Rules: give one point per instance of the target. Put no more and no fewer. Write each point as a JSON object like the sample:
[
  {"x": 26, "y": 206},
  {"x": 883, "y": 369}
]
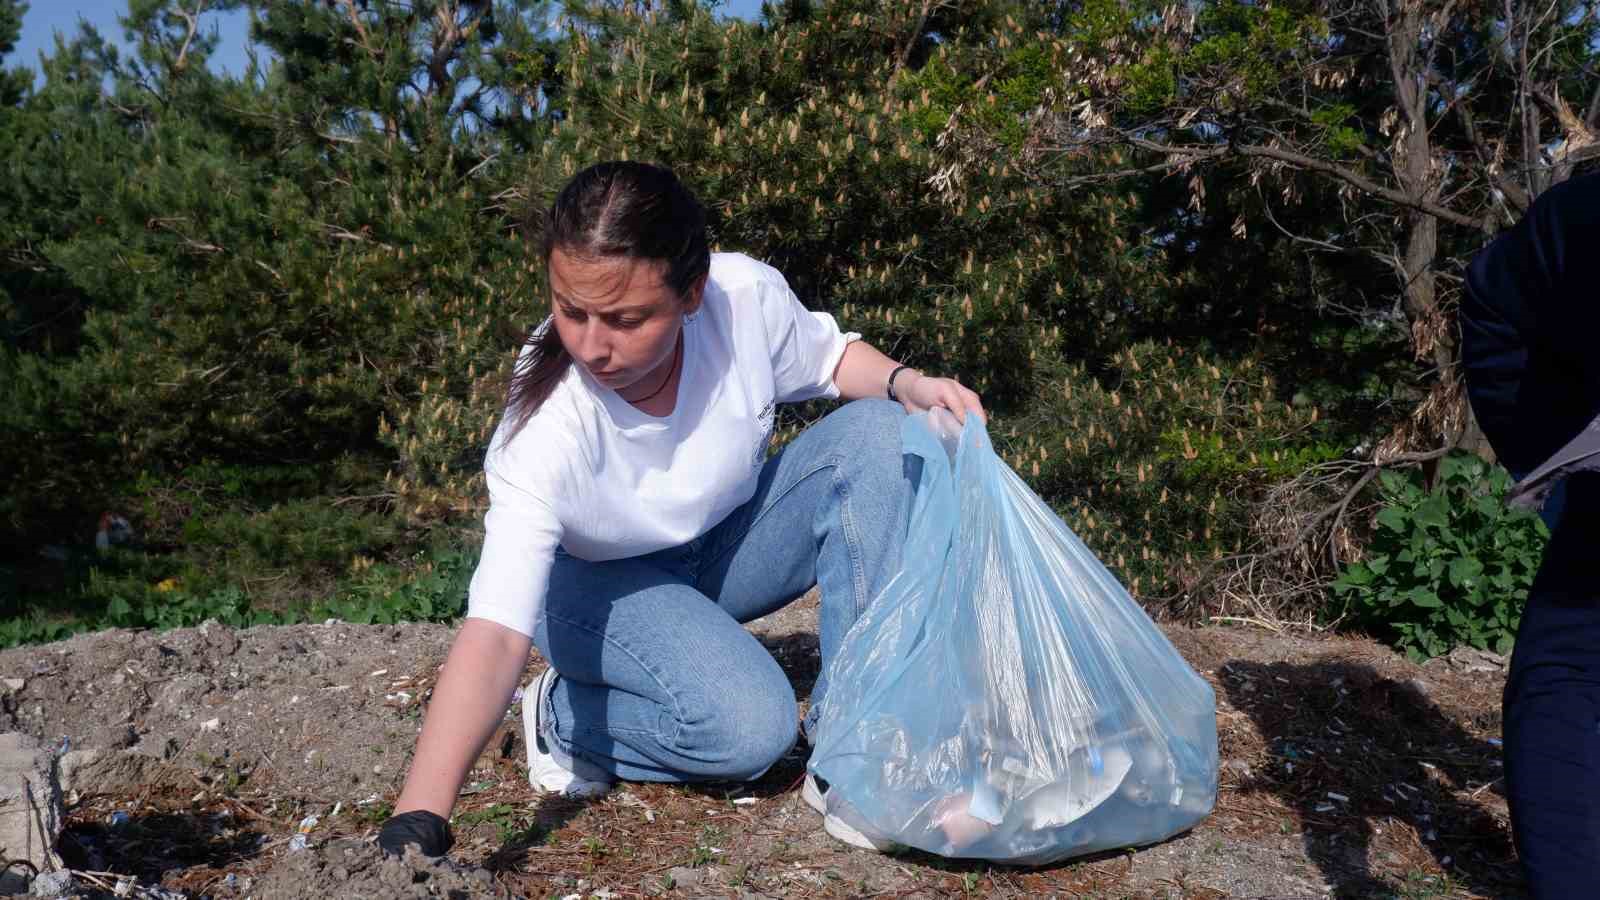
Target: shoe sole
[
  {"x": 837, "y": 828},
  {"x": 813, "y": 797}
]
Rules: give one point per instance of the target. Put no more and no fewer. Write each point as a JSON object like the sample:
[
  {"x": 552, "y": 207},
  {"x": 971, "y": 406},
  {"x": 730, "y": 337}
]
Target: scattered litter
[
  {"x": 1445, "y": 861},
  {"x": 377, "y": 673},
  {"x": 1496, "y": 742},
  {"x": 211, "y": 724},
  {"x": 650, "y": 815},
  {"x": 1430, "y": 767},
  {"x": 338, "y": 805},
  {"x": 516, "y": 695},
  {"x": 1339, "y": 797},
  {"x": 371, "y": 799},
  {"x": 66, "y": 744},
  {"x": 14, "y": 684},
  {"x": 1324, "y": 807},
  {"x": 745, "y": 801},
  {"x": 300, "y": 841},
  {"x": 118, "y": 819},
  {"x": 573, "y": 897},
  {"x": 338, "y": 687},
  {"x": 230, "y": 879}
]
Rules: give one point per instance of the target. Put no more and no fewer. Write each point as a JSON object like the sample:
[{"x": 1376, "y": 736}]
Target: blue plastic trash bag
[{"x": 1004, "y": 698}]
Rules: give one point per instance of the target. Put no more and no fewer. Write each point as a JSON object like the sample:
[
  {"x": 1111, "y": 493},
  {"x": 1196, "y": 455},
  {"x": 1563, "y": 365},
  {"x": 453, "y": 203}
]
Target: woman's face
[{"x": 617, "y": 317}]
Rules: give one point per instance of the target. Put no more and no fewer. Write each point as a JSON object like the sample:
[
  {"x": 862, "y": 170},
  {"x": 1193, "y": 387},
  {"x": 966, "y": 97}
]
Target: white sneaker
[
  {"x": 551, "y": 769},
  {"x": 837, "y": 825}
]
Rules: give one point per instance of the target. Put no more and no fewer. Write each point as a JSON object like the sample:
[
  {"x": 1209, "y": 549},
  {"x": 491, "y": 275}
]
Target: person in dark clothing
[{"x": 1529, "y": 321}]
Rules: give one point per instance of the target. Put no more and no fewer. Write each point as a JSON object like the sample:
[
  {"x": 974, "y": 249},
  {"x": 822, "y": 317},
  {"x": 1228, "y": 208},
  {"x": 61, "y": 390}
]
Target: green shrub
[
  {"x": 1156, "y": 461},
  {"x": 1446, "y": 566},
  {"x": 434, "y": 589},
  {"x": 124, "y": 589}
]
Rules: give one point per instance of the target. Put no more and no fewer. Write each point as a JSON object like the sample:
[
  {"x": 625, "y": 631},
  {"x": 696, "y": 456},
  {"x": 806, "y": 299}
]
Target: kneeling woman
[{"x": 636, "y": 520}]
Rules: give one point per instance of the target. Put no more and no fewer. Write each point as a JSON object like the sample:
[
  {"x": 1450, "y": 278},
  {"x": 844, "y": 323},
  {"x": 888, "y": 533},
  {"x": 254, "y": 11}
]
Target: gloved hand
[{"x": 429, "y": 831}]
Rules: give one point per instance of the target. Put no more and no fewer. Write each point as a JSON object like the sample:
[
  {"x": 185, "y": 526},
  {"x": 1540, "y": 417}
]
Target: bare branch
[{"x": 192, "y": 19}]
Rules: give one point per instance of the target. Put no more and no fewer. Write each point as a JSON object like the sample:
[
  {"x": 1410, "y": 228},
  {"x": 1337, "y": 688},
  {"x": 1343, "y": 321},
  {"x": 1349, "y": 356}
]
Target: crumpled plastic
[
  {"x": 1581, "y": 454},
  {"x": 1004, "y": 697}
]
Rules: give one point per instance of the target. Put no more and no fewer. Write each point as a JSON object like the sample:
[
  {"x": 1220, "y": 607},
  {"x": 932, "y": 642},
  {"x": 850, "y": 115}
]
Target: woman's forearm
[
  {"x": 480, "y": 675},
  {"x": 863, "y": 371}
]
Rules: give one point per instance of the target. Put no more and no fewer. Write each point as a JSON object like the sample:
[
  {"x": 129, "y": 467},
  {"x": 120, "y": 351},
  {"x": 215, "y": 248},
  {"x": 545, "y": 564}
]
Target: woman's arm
[
  {"x": 470, "y": 700},
  {"x": 864, "y": 372}
]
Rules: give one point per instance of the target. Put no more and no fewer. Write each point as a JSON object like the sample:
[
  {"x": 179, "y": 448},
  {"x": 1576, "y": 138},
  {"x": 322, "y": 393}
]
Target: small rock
[
  {"x": 105, "y": 771},
  {"x": 14, "y": 684},
  {"x": 219, "y": 636},
  {"x": 52, "y": 884},
  {"x": 684, "y": 877}
]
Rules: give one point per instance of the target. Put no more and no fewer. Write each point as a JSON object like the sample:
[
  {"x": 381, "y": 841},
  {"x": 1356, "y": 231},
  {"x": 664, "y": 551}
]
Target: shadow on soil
[
  {"x": 150, "y": 846},
  {"x": 1342, "y": 728}
]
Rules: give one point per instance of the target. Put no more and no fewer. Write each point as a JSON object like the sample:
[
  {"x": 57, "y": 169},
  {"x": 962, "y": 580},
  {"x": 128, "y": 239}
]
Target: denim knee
[{"x": 738, "y": 731}]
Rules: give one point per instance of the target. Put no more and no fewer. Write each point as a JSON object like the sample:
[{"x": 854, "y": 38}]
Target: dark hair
[{"x": 630, "y": 210}]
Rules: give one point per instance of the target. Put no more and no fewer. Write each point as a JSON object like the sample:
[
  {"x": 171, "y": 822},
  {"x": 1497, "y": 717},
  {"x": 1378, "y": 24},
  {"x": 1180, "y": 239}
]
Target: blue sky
[{"x": 46, "y": 17}]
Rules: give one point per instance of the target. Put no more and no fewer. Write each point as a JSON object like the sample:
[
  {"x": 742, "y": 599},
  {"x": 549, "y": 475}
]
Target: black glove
[{"x": 427, "y": 830}]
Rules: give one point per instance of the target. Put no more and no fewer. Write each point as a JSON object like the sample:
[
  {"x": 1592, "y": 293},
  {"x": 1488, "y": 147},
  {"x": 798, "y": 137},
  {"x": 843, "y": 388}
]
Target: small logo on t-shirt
[{"x": 764, "y": 423}]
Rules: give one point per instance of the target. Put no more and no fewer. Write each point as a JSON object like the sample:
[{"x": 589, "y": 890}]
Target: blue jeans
[{"x": 658, "y": 679}]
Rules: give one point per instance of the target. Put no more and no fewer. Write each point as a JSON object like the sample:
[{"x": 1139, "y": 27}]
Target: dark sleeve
[{"x": 1530, "y": 323}]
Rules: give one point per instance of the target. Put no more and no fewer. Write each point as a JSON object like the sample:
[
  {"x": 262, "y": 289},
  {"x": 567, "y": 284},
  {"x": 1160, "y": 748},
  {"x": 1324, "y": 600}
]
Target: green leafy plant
[{"x": 1446, "y": 566}]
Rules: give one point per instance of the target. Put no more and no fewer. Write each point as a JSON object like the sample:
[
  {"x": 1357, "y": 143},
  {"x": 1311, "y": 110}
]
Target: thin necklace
[{"x": 677, "y": 354}]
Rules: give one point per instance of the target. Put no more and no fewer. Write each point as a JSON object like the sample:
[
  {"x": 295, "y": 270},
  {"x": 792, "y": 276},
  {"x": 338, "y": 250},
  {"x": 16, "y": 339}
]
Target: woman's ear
[{"x": 697, "y": 292}]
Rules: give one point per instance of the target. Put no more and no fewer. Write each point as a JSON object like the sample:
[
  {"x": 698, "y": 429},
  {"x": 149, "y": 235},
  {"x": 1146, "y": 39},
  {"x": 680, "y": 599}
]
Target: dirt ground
[{"x": 194, "y": 757}]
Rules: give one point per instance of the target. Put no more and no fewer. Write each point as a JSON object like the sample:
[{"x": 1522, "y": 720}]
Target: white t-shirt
[{"x": 591, "y": 473}]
